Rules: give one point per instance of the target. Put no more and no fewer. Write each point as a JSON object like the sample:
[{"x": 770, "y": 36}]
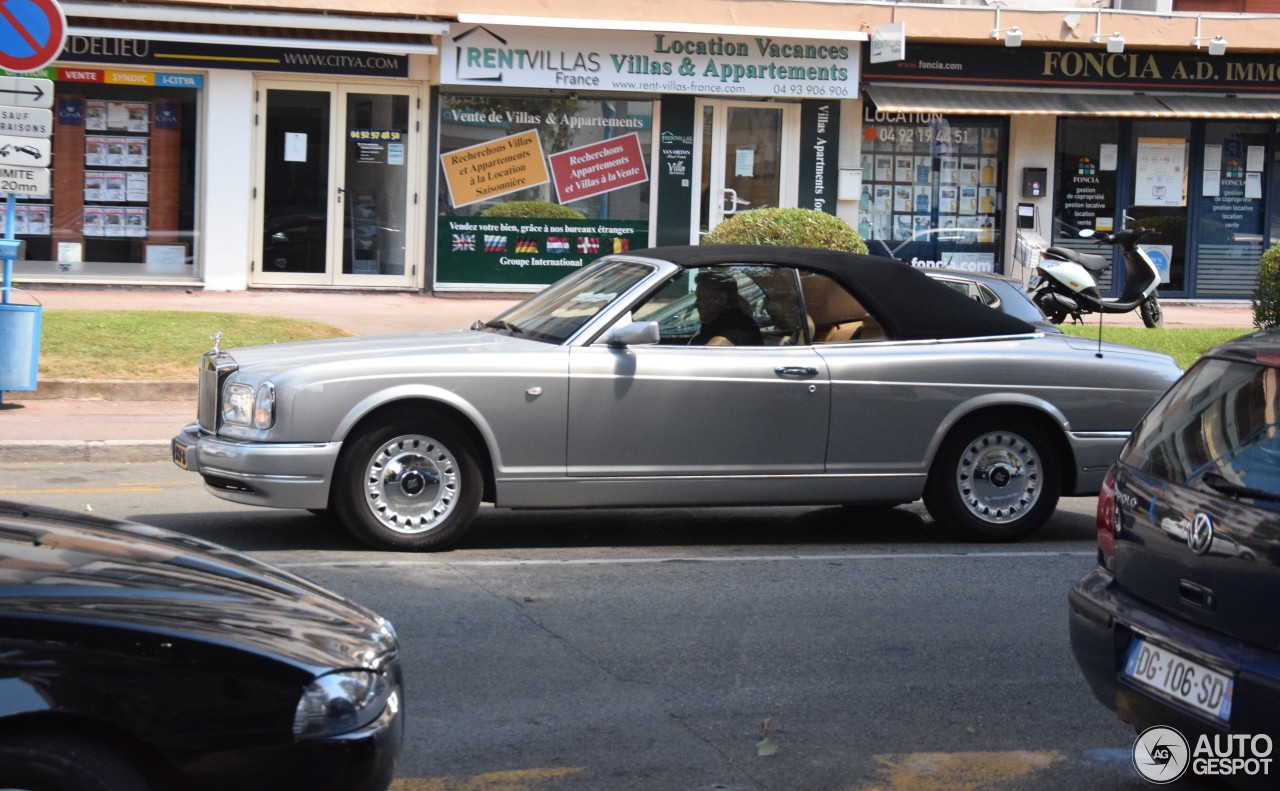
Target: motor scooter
[{"x": 1065, "y": 285}]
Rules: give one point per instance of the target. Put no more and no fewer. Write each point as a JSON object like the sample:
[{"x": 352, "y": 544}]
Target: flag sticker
[
  {"x": 464, "y": 242},
  {"x": 588, "y": 244},
  {"x": 495, "y": 243},
  {"x": 526, "y": 244},
  {"x": 557, "y": 244}
]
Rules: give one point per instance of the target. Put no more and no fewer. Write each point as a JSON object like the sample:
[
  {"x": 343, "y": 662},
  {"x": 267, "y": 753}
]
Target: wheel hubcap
[
  {"x": 411, "y": 484},
  {"x": 998, "y": 477}
]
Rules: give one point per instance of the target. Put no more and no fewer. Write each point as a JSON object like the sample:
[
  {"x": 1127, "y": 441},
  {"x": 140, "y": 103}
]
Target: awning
[{"x": 1043, "y": 101}]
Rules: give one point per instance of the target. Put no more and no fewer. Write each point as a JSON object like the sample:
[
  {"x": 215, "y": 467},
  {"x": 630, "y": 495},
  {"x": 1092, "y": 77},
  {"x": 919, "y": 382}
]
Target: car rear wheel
[
  {"x": 404, "y": 485},
  {"x": 994, "y": 480},
  {"x": 35, "y": 763}
]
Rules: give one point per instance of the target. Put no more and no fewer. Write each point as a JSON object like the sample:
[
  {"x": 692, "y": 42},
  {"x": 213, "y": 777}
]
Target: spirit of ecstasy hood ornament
[{"x": 216, "y": 338}]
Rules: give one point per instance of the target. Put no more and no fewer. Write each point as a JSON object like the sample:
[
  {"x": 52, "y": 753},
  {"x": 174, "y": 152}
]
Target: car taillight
[{"x": 1108, "y": 515}]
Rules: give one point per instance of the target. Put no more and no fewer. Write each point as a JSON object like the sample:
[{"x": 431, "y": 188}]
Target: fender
[{"x": 1002, "y": 401}]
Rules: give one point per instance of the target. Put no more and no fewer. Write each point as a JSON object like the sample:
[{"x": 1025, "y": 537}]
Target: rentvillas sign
[{"x": 626, "y": 61}]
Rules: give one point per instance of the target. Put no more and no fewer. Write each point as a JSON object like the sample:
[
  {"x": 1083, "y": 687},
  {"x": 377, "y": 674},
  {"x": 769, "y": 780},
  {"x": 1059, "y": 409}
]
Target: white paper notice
[{"x": 295, "y": 146}]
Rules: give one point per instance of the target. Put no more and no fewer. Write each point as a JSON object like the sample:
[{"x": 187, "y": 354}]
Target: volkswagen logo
[{"x": 1200, "y": 536}]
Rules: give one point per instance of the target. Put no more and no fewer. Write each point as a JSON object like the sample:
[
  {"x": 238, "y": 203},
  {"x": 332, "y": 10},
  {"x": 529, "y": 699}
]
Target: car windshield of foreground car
[
  {"x": 557, "y": 313},
  {"x": 1232, "y": 448}
]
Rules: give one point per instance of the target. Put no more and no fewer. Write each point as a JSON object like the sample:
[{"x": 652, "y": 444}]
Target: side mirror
[{"x": 637, "y": 333}]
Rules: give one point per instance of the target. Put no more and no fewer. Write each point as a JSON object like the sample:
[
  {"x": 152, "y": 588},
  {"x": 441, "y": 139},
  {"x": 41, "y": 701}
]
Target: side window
[
  {"x": 837, "y": 316},
  {"x": 727, "y": 306}
]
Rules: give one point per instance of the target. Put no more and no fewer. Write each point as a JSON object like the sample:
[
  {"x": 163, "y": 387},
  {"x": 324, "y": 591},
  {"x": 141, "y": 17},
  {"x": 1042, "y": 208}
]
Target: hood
[
  {"x": 460, "y": 343},
  {"x": 60, "y": 566}
]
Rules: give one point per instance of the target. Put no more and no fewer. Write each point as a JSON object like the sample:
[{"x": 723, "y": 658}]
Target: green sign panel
[{"x": 523, "y": 250}]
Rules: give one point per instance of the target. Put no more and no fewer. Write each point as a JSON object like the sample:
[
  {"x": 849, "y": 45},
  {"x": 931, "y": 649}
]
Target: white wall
[
  {"x": 225, "y": 189},
  {"x": 1032, "y": 141}
]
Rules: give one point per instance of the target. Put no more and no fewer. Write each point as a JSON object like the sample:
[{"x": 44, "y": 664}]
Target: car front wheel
[
  {"x": 405, "y": 486},
  {"x": 994, "y": 480},
  {"x": 64, "y": 764}
]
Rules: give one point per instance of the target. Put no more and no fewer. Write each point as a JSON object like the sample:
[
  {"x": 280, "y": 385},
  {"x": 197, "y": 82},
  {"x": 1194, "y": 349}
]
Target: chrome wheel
[
  {"x": 411, "y": 484},
  {"x": 998, "y": 477}
]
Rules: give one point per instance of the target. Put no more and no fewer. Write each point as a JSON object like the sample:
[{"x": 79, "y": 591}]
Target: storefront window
[
  {"x": 930, "y": 189},
  {"x": 534, "y": 187},
  {"x": 122, "y": 202},
  {"x": 1229, "y": 241},
  {"x": 1088, "y": 156}
]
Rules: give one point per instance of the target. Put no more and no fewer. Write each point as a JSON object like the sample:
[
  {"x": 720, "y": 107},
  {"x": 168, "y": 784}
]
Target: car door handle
[{"x": 795, "y": 370}]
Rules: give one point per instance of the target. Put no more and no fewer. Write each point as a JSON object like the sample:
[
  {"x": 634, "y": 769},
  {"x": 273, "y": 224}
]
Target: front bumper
[
  {"x": 1103, "y": 622},
  {"x": 279, "y": 475}
]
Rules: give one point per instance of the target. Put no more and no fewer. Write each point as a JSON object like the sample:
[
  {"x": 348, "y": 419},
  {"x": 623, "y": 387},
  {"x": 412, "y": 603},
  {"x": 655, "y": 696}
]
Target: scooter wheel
[{"x": 1152, "y": 315}]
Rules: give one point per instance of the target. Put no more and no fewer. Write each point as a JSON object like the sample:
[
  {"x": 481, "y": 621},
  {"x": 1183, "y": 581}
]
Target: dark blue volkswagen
[{"x": 1178, "y": 624}]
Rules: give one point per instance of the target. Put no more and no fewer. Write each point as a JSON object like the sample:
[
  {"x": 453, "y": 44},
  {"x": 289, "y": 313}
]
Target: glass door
[
  {"x": 335, "y": 165},
  {"x": 744, "y": 159}
]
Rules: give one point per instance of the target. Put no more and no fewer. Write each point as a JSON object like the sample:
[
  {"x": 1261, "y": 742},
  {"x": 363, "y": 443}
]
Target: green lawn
[
  {"x": 1184, "y": 344},
  {"x": 146, "y": 344},
  {"x": 83, "y": 344}
]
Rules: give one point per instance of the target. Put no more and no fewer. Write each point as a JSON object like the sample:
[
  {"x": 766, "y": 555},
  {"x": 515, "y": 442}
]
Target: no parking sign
[{"x": 32, "y": 33}]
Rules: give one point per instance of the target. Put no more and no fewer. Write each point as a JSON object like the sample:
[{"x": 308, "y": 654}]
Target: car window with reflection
[
  {"x": 1215, "y": 431},
  {"x": 556, "y": 313},
  {"x": 743, "y": 305}
]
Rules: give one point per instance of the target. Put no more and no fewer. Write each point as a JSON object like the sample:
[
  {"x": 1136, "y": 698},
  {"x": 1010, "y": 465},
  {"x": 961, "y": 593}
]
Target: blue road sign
[{"x": 32, "y": 33}]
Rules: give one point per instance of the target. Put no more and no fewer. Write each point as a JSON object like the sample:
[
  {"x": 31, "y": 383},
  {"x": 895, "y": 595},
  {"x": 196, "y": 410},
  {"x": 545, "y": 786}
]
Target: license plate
[
  {"x": 1169, "y": 673},
  {"x": 180, "y": 454},
  {"x": 1033, "y": 282}
]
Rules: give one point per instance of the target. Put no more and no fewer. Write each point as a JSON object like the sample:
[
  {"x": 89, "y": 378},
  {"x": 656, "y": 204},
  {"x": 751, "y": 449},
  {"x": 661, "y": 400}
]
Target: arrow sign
[
  {"x": 24, "y": 151},
  {"x": 32, "y": 33},
  {"x": 26, "y": 92}
]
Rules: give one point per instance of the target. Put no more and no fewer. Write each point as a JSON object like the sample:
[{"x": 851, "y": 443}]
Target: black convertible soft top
[{"x": 909, "y": 304}]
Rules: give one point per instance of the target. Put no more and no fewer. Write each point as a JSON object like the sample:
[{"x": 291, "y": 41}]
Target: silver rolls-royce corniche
[{"x": 680, "y": 376}]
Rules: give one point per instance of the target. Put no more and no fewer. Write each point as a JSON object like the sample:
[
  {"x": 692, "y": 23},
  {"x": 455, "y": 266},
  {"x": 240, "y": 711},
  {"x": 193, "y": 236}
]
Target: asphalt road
[{"x": 781, "y": 648}]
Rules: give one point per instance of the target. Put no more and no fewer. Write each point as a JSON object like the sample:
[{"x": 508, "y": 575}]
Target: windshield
[{"x": 555, "y": 314}]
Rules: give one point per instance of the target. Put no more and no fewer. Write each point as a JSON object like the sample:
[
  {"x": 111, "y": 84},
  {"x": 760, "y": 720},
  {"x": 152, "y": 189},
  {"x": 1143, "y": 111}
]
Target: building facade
[{"x": 430, "y": 148}]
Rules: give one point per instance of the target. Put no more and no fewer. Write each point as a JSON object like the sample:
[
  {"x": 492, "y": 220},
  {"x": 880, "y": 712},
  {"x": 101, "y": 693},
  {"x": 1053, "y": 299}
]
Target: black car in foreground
[
  {"x": 134, "y": 659},
  {"x": 1177, "y": 629}
]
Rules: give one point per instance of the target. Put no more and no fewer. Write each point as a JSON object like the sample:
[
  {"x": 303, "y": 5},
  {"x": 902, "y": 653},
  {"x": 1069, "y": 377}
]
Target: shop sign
[
  {"x": 651, "y": 62},
  {"x": 819, "y": 155},
  {"x": 495, "y": 168},
  {"x": 195, "y": 55},
  {"x": 597, "y": 168},
  {"x": 1030, "y": 67}
]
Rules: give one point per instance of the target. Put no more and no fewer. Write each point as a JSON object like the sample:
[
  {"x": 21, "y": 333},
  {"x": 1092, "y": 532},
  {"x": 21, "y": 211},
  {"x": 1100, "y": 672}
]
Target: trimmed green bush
[
  {"x": 787, "y": 228},
  {"x": 533, "y": 208},
  {"x": 1266, "y": 296}
]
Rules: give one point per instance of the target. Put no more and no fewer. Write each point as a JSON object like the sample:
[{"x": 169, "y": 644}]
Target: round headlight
[{"x": 340, "y": 703}]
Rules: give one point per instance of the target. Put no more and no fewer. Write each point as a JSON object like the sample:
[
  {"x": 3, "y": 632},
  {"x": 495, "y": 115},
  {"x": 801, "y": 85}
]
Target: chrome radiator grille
[{"x": 214, "y": 368}]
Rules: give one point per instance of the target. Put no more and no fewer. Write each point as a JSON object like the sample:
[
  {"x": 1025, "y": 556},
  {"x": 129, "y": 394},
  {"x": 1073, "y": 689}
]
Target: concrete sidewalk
[{"x": 133, "y": 421}]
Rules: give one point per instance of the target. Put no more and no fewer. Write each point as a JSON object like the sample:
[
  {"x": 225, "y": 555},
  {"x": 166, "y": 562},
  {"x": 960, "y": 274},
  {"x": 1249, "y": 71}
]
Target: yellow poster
[{"x": 495, "y": 168}]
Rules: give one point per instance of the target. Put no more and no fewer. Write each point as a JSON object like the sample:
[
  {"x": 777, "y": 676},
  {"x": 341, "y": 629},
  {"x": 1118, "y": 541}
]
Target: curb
[
  {"x": 115, "y": 451},
  {"x": 113, "y": 390}
]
